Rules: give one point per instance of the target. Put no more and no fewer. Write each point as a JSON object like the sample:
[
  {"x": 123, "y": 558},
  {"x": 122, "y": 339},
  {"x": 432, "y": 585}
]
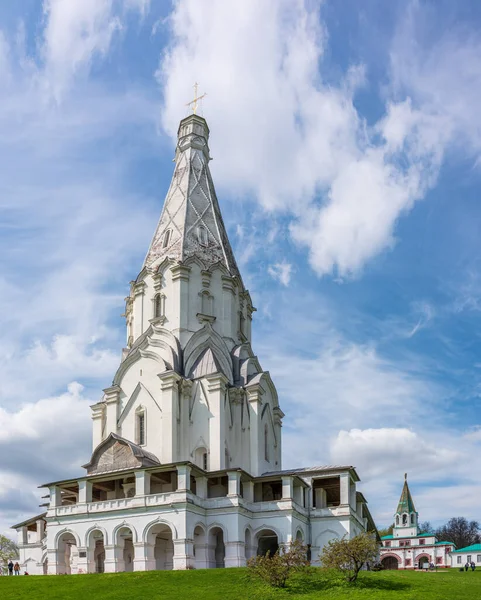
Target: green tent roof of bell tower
[{"x": 406, "y": 504}]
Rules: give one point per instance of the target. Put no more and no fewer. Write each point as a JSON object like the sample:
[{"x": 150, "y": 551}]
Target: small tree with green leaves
[
  {"x": 349, "y": 556},
  {"x": 275, "y": 570},
  {"x": 8, "y": 549}
]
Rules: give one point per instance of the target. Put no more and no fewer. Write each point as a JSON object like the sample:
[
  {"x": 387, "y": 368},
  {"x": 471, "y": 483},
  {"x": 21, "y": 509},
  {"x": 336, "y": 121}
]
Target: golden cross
[{"x": 193, "y": 102}]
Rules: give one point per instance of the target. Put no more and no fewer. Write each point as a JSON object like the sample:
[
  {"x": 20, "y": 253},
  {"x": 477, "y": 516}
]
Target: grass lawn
[{"x": 234, "y": 584}]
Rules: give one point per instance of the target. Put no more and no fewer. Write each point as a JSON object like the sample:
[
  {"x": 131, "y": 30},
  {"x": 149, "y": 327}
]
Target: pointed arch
[
  {"x": 195, "y": 260},
  {"x": 89, "y": 532},
  {"x": 124, "y": 525},
  {"x": 201, "y": 340},
  {"x": 63, "y": 531},
  {"x": 217, "y": 525},
  {"x": 158, "y": 521},
  {"x": 135, "y": 394}
]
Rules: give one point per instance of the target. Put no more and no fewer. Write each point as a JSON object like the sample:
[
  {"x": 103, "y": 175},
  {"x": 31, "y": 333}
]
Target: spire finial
[
  {"x": 193, "y": 102},
  {"x": 405, "y": 476}
]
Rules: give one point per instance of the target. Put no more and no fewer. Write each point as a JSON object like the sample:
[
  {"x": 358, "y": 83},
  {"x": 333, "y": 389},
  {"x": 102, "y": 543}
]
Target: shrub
[
  {"x": 349, "y": 556},
  {"x": 275, "y": 570}
]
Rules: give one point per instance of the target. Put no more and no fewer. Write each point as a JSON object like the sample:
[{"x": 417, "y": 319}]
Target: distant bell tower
[{"x": 406, "y": 517}]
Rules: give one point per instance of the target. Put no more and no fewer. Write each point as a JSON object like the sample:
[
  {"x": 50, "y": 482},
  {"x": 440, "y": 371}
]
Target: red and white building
[{"x": 406, "y": 548}]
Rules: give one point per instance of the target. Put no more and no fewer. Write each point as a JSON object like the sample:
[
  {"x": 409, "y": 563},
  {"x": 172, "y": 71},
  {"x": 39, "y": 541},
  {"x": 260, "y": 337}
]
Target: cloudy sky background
[{"x": 346, "y": 140}]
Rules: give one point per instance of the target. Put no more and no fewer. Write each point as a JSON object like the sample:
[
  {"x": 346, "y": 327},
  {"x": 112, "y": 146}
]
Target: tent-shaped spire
[
  {"x": 191, "y": 223},
  {"x": 406, "y": 504}
]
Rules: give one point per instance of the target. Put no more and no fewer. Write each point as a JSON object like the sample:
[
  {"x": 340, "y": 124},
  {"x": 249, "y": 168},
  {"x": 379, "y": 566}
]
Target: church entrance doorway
[
  {"x": 423, "y": 562},
  {"x": 95, "y": 552},
  {"x": 267, "y": 542},
  {"x": 249, "y": 549},
  {"x": 216, "y": 548},
  {"x": 67, "y": 554},
  {"x": 126, "y": 542},
  {"x": 200, "y": 548},
  {"x": 390, "y": 562},
  {"x": 160, "y": 536}
]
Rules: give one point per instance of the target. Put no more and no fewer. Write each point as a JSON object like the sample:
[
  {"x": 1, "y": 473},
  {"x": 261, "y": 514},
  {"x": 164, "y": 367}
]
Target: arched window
[
  {"x": 397, "y": 520},
  {"x": 202, "y": 236},
  {"x": 405, "y": 519},
  {"x": 166, "y": 241},
  {"x": 159, "y": 307},
  {"x": 140, "y": 429},
  {"x": 412, "y": 518},
  {"x": 266, "y": 443}
]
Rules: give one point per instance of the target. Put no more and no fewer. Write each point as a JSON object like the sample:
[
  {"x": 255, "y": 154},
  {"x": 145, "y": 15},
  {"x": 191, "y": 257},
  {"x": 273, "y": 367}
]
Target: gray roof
[
  {"x": 311, "y": 470},
  {"x": 191, "y": 211},
  {"x": 147, "y": 459},
  {"x": 29, "y": 521}
]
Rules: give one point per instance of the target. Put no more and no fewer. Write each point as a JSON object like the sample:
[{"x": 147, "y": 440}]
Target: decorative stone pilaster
[
  {"x": 169, "y": 385},
  {"x": 111, "y": 402},
  {"x": 52, "y": 561},
  {"x": 84, "y": 491},
  {"x": 287, "y": 488},
  {"x": 234, "y": 478},
  {"x": 138, "y": 293},
  {"x": 345, "y": 487},
  {"x": 40, "y": 530},
  {"x": 235, "y": 554},
  {"x": 217, "y": 385},
  {"x": 111, "y": 564},
  {"x": 248, "y": 491},
  {"x": 183, "y": 554},
  {"x": 142, "y": 483},
  {"x": 180, "y": 284},
  {"x": 183, "y": 478},
  {"x": 55, "y": 498},
  {"x": 144, "y": 557},
  {"x": 201, "y": 487},
  {"x": 254, "y": 397},
  {"x": 201, "y": 556},
  {"x": 97, "y": 422}
]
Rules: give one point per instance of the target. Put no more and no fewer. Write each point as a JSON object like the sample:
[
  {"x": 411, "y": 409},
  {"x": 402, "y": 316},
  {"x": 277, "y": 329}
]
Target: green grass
[{"x": 235, "y": 584}]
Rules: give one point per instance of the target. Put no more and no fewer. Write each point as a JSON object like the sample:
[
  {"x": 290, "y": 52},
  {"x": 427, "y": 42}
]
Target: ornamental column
[
  {"x": 111, "y": 399},
  {"x": 183, "y": 554},
  {"x": 254, "y": 397},
  {"x": 217, "y": 386},
  {"x": 142, "y": 483},
  {"x": 113, "y": 558},
  {"x": 235, "y": 554},
  {"x": 144, "y": 556},
  {"x": 169, "y": 385}
]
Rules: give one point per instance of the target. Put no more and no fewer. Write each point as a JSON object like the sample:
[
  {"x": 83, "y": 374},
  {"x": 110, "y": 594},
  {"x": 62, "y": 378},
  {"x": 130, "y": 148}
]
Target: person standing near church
[
  {"x": 473, "y": 566},
  {"x": 16, "y": 568},
  {"x": 10, "y": 568},
  {"x": 466, "y": 566}
]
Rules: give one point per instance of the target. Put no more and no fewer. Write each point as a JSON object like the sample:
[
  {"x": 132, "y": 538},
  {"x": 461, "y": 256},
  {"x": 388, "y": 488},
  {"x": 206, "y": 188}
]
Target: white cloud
[
  {"x": 76, "y": 32},
  {"x": 296, "y": 140},
  {"x": 281, "y": 272},
  {"x": 386, "y": 451}
]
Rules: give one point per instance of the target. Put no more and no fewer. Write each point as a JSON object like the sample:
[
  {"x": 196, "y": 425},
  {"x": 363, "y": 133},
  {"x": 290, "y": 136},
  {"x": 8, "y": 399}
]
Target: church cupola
[{"x": 406, "y": 517}]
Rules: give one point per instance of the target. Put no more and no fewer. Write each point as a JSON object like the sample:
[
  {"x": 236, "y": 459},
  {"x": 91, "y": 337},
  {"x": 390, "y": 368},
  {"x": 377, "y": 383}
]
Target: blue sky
[{"x": 346, "y": 140}]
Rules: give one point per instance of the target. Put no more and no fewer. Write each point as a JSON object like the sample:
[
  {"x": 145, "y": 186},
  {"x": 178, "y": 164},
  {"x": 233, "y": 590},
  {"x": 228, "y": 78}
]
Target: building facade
[
  {"x": 470, "y": 554},
  {"x": 406, "y": 547},
  {"x": 186, "y": 466}
]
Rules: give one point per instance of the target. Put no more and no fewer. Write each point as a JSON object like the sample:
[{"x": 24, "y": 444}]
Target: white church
[{"x": 186, "y": 466}]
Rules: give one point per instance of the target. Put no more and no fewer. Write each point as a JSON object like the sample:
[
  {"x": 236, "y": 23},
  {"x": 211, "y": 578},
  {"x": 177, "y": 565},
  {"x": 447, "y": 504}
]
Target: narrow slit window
[
  {"x": 202, "y": 236},
  {"x": 204, "y": 461},
  {"x": 158, "y": 306},
  {"x": 166, "y": 239},
  {"x": 266, "y": 443},
  {"x": 141, "y": 429}
]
